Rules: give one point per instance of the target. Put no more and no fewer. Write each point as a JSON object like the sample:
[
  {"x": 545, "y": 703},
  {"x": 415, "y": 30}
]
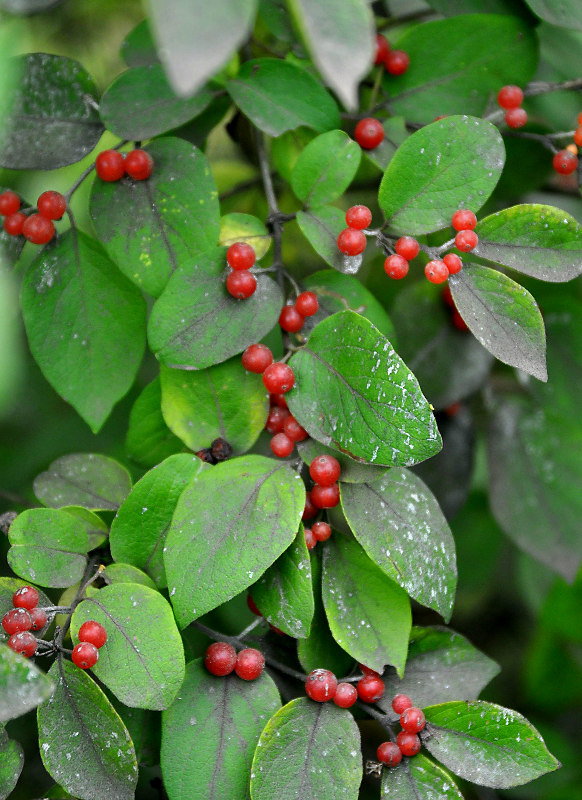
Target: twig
[
  {"x": 244, "y": 633},
  {"x": 88, "y": 577},
  {"x": 273, "y": 221}
]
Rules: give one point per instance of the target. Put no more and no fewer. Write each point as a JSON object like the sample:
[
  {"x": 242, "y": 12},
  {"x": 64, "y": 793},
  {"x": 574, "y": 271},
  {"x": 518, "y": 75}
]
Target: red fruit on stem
[
  {"x": 466, "y": 241},
  {"x": 351, "y": 242},
  {"x": 110, "y": 165},
  {"x": 93, "y": 632},
  {"x": 15, "y": 223},
  {"x": 401, "y": 702},
  {"x": 412, "y": 720},
  {"x": 307, "y": 304},
  {"x": 397, "y": 62},
  {"x": 278, "y": 378},
  {"x": 16, "y": 620},
  {"x": 358, "y": 217},
  {"x": 382, "y": 49},
  {"x": 453, "y": 263},
  {"x": 51, "y": 205},
  {"x": 370, "y": 688},
  {"x": 281, "y": 445},
  {"x": 37, "y": 229},
  {"x": 25, "y": 597},
  {"x": 9, "y": 203},
  {"x": 220, "y": 658},
  {"x": 396, "y": 267},
  {"x": 276, "y": 418},
  {"x": 463, "y": 220},
  {"x": 409, "y": 743},
  {"x": 516, "y": 117},
  {"x": 321, "y": 685},
  {"x": 23, "y": 643},
  {"x": 325, "y": 496},
  {"x": 436, "y": 271},
  {"x": 369, "y": 133},
  {"x": 346, "y": 695},
  {"x": 310, "y": 509},
  {"x": 325, "y": 470},
  {"x": 139, "y": 165},
  {"x": 310, "y": 539},
  {"x": 249, "y": 664},
  {"x": 294, "y": 430},
  {"x": 85, "y": 655},
  {"x": 321, "y": 531},
  {"x": 389, "y": 753},
  {"x": 241, "y": 285},
  {"x": 290, "y": 319},
  {"x": 256, "y": 358},
  {"x": 579, "y": 118},
  {"x": 39, "y": 618},
  {"x": 510, "y": 96},
  {"x": 565, "y": 162},
  {"x": 240, "y": 255},
  {"x": 407, "y": 247}
]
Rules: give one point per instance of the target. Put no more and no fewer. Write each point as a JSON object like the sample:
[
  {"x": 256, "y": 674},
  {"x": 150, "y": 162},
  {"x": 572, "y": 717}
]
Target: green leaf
[
  {"x": 533, "y": 239},
  {"x": 210, "y": 558},
  {"x": 224, "y": 400},
  {"x": 138, "y": 532},
  {"x": 48, "y": 546},
  {"x": 285, "y": 592},
  {"x": 503, "y": 316},
  {"x": 486, "y": 744},
  {"x": 455, "y": 70},
  {"x": 85, "y": 325},
  {"x": 196, "y": 323},
  {"x": 84, "y": 745},
  {"x": 351, "y": 471},
  {"x": 152, "y": 228},
  {"x": 138, "y": 49},
  {"x": 308, "y": 750},
  {"x": 126, "y": 573},
  {"x": 368, "y": 613},
  {"x": 395, "y": 133},
  {"x": 149, "y": 440},
  {"x": 418, "y": 778},
  {"x": 566, "y": 14},
  {"x": 194, "y": 46},
  {"x": 325, "y": 168},
  {"x": 97, "y": 530},
  {"x": 50, "y": 119},
  {"x": 11, "y": 763},
  {"x": 399, "y": 523},
  {"x": 339, "y": 35},
  {"x": 143, "y": 660},
  {"x": 237, "y": 227},
  {"x": 321, "y": 227},
  {"x": 453, "y": 163},
  {"x": 144, "y": 728},
  {"x": 83, "y": 479},
  {"x": 278, "y": 96},
  {"x": 353, "y": 393},
  {"x": 202, "y": 757},
  {"x": 24, "y": 686}
]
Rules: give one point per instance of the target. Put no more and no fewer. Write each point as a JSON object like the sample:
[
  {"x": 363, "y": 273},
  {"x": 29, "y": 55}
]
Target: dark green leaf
[
  {"x": 24, "y": 686},
  {"x": 353, "y": 392},
  {"x": 144, "y": 727},
  {"x": 83, "y": 479},
  {"x": 453, "y": 163},
  {"x": 486, "y": 744},
  {"x": 85, "y": 324},
  {"x": 278, "y": 96},
  {"x": 310, "y": 751},
  {"x": 325, "y": 168},
  {"x": 138, "y": 49},
  {"x": 152, "y": 228},
  {"x": 84, "y": 745},
  {"x": 237, "y": 227},
  {"x": 352, "y": 471},
  {"x": 97, "y": 530},
  {"x": 210, "y": 734},
  {"x": 210, "y": 558},
  {"x": 143, "y": 660},
  {"x": 11, "y": 763},
  {"x": 126, "y": 573},
  {"x": 138, "y": 532},
  {"x": 321, "y": 227},
  {"x": 394, "y": 134},
  {"x": 503, "y": 316},
  {"x": 149, "y": 440},
  {"x": 566, "y": 13},
  {"x": 418, "y": 778}
]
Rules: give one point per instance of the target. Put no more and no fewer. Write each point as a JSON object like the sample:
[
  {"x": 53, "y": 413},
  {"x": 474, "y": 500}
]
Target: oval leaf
[
  {"x": 138, "y": 49},
  {"x": 418, "y": 778},
  {"x": 325, "y": 168},
  {"x": 24, "y": 686},
  {"x": 83, "y": 479},
  {"x": 126, "y": 573},
  {"x": 149, "y": 440}
]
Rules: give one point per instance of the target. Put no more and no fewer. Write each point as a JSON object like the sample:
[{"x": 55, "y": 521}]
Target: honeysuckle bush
[{"x": 394, "y": 379}]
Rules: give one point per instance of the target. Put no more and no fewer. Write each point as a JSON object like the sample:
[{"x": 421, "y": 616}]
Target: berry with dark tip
[
  {"x": 409, "y": 743},
  {"x": 397, "y": 62},
  {"x": 14, "y": 224},
  {"x": 370, "y": 688},
  {"x": 294, "y": 430},
  {"x": 321, "y": 531},
  {"x": 51, "y": 205},
  {"x": 241, "y": 285},
  {"x": 463, "y": 220},
  {"x": 139, "y": 165},
  {"x": 453, "y": 263},
  {"x": 37, "y": 229},
  {"x": 516, "y": 117},
  {"x": 92, "y": 632},
  {"x": 565, "y": 162},
  {"x": 23, "y": 643},
  {"x": 25, "y": 597},
  {"x": 221, "y": 450},
  {"x": 240, "y": 255},
  {"x": 307, "y": 304},
  {"x": 9, "y": 203},
  {"x": 325, "y": 470},
  {"x": 358, "y": 217},
  {"x": 256, "y": 358},
  {"x": 396, "y": 267},
  {"x": 249, "y": 664},
  {"x": 290, "y": 319},
  {"x": 436, "y": 271},
  {"x": 16, "y": 620},
  {"x": 369, "y": 133},
  {"x": 39, "y": 618},
  {"x": 321, "y": 685},
  {"x": 220, "y": 658},
  {"x": 510, "y": 96},
  {"x": 466, "y": 241},
  {"x": 346, "y": 695},
  {"x": 278, "y": 378},
  {"x": 325, "y": 496},
  {"x": 276, "y": 418},
  {"x": 351, "y": 242},
  {"x": 389, "y": 753},
  {"x": 407, "y": 247},
  {"x": 412, "y": 720},
  {"x": 110, "y": 165},
  {"x": 85, "y": 655},
  {"x": 281, "y": 445},
  {"x": 310, "y": 539},
  {"x": 401, "y": 702}
]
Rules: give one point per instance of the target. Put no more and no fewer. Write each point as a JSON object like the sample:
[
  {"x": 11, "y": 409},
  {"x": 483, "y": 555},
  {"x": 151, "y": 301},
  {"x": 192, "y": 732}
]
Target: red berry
[
  {"x": 110, "y": 165},
  {"x": 321, "y": 531},
  {"x": 325, "y": 496},
  {"x": 396, "y": 267},
  {"x": 407, "y": 247},
  {"x": 281, "y": 445},
  {"x": 294, "y": 430},
  {"x": 139, "y": 165},
  {"x": 370, "y": 688},
  {"x": 409, "y": 743},
  {"x": 321, "y": 685},
  {"x": 466, "y": 241},
  {"x": 93, "y": 632},
  {"x": 276, "y": 418},
  {"x": 85, "y": 655},
  {"x": 16, "y": 620},
  {"x": 412, "y": 720},
  {"x": 459, "y": 322},
  {"x": 382, "y": 49},
  {"x": 389, "y": 753},
  {"x": 220, "y": 658},
  {"x": 579, "y": 118},
  {"x": 253, "y": 606},
  {"x": 325, "y": 470},
  {"x": 368, "y": 670},
  {"x": 436, "y": 271},
  {"x": 369, "y": 133},
  {"x": 397, "y": 62},
  {"x": 453, "y": 263},
  {"x": 37, "y": 229},
  {"x": 565, "y": 162},
  {"x": 290, "y": 319},
  {"x": 578, "y": 136},
  {"x": 310, "y": 510},
  {"x": 9, "y": 203},
  {"x": 256, "y": 358},
  {"x": 307, "y": 304},
  {"x": 351, "y": 242},
  {"x": 310, "y": 539},
  {"x": 14, "y": 223},
  {"x": 241, "y": 284},
  {"x": 358, "y": 217},
  {"x": 516, "y": 117},
  {"x": 25, "y": 597},
  {"x": 240, "y": 255},
  {"x": 249, "y": 664},
  {"x": 278, "y": 377},
  {"x": 51, "y": 205},
  {"x": 39, "y": 618},
  {"x": 346, "y": 695},
  {"x": 464, "y": 220},
  {"x": 23, "y": 643},
  {"x": 448, "y": 297},
  {"x": 278, "y": 400},
  {"x": 401, "y": 702},
  {"x": 510, "y": 96}
]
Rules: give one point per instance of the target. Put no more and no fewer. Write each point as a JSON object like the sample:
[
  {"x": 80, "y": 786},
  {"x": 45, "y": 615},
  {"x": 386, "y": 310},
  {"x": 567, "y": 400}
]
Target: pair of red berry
[
  {"x": 241, "y": 283},
  {"x": 286, "y": 431},
  {"x": 292, "y": 317},
  {"x": 92, "y": 636},
  {"x": 37, "y": 228},
  {"x": 396, "y": 62},
  {"x": 221, "y": 659},
  {"x": 407, "y": 743},
  {"x": 321, "y": 685},
  {"x": 352, "y": 240},
  {"x": 111, "y": 165},
  {"x": 325, "y": 471},
  {"x": 319, "y": 532},
  {"x": 510, "y": 99},
  {"x": 23, "y": 618},
  {"x": 396, "y": 266}
]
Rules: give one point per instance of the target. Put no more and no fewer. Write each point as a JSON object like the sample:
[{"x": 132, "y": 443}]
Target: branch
[{"x": 274, "y": 221}]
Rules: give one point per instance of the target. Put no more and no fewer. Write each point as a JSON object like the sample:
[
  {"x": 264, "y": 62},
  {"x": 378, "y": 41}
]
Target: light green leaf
[
  {"x": 237, "y": 227},
  {"x": 126, "y": 573},
  {"x": 97, "y": 530},
  {"x": 24, "y": 686},
  {"x": 418, "y": 778},
  {"x": 325, "y": 168},
  {"x": 149, "y": 440},
  {"x": 83, "y": 479}
]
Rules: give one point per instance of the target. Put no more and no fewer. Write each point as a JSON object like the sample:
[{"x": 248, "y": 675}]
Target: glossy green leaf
[
  {"x": 533, "y": 239},
  {"x": 97, "y": 530},
  {"x": 353, "y": 393},
  {"x": 11, "y": 763},
  {"x": 395, "y": 133},
  {"x": 453, "y": 163},
  {"x": 238, "y": 227},
  {"x": 486, "y": 744},
  {"x": 24, "y": 686},
  {"x": 351, "y": 471},
  {"x": 83, "y": 479},
  {"x": 325, "y": 168},
  {"x": 50, "y": 119},
  {"x": 143, "y": 660},
  {"x": 210, "y": 558},
  {"x": 196, "y": 323},
  {"x": 138, "y": 532},
  {"x": 149, "y": 440},
  {"x": 223, "y": 400},
  {"x": 202, "y": 757},
  {"x": 85, "y": 325},
  {"x": 368, "y": 613},
  {"x": 138, "y": 49},
  {"x": 48, "y": 546},
  {"x": 418, "y": 778},
  {"x": 152, "y": 228},
  {"x": 503, "y": 316},
  {"x": 308, "y": 750},
  {"x": 278, "y": 96},
  {"x": 321, "y": 227},
  {"x": 566, "y": 13},
  {"x": 126, "y": 573},
  {"x": 84, "y": 745}
]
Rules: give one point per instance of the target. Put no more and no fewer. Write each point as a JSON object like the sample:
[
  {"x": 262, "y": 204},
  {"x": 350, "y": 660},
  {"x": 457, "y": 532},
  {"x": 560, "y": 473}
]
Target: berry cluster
[
  {"x": 325, "y": 471},
  {"x": 292, "y": 316},
  {"x": 284, "y": 427},
  {"x": 321, "y": 685},
  {"x": 92, "y": 636},
  {"x": 407, "y": 742},
  {"x": 396, "y": 62},
  {"x": 38, "y": 228},
  {"x": 24, "y": 617},
  {"x": 219, "y": 450},
  {"x": 463, "y": 221},
  {"x": 510, "y": 99},
  {"x": 111, "y": 165},
  {"x": 241, "y": 283},
  {"x": 319, "y": 532},
  {"x": 221, "y": 659},
  {"x": 352, "y": 240}
]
